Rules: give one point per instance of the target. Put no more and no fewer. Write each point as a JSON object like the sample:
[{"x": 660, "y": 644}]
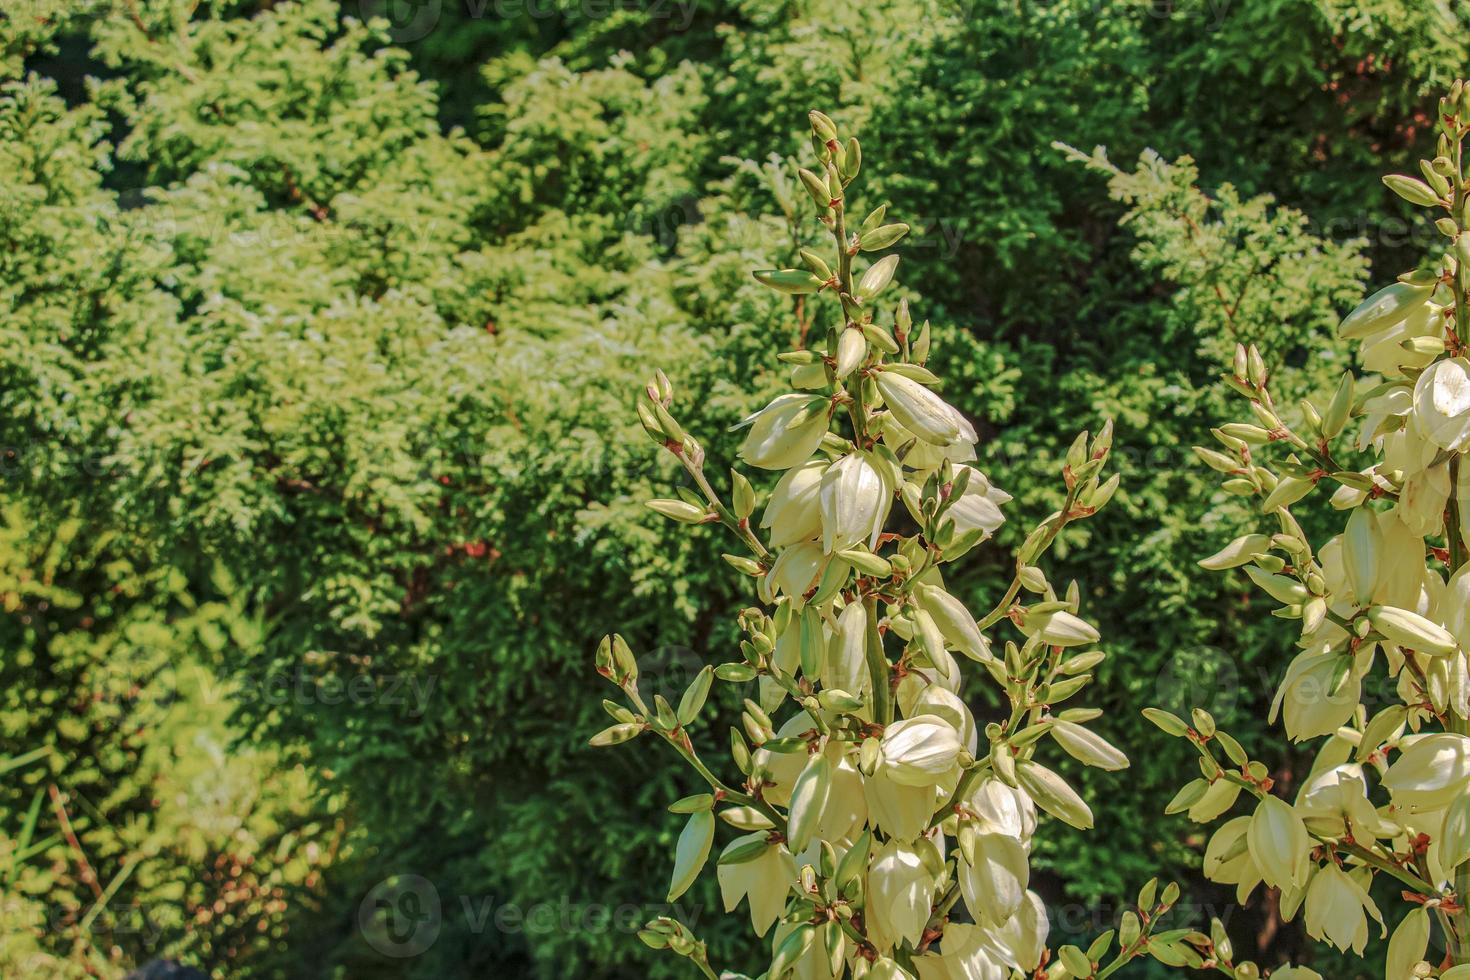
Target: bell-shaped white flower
[
  {"x": 922, "y": 412},
  {"x": 1279, "y": 844},
  {"x": 995, "y": 885},
  {"x": 1228, "y": 858},
  {"x": 1320, "y": 692},
  {"x": 1442, "y": 404},
  {"x": 1335, "y": 907},
  {"x": 796, "y": 568},
  {"x": 1334, "y": 803},
  {"x": 855, "y": 500},
  {"x": 943, "y": 703},
  {"x": 965, "y": 952},
  {"x": 924, "y": 456},
  {"x": 1001, "y": 809},
  {"x": 794, "y": 512},
  {"x": 980, "y": 507},
  {"x": 1431, "y": 772},
  {"x": 901, "y": 886},
  {"x": 920, "y": 751},
  {"x": 846, "y": 666},
  {"x": 1021, "y": 939},
  {"x": 784, "y": 433},
  {"x": 899, "y": 810},
  {"x": 763, "y": 881}
]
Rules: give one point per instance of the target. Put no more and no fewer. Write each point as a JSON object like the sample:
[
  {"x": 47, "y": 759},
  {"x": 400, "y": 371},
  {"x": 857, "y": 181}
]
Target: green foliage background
[{"x": 321, "y": 476}]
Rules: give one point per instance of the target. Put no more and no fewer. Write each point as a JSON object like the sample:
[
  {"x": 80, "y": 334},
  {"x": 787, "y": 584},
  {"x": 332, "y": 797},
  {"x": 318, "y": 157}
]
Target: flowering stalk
[
  {"x": 883, "y": 830},
  {"x": 1389, "y": 792}
]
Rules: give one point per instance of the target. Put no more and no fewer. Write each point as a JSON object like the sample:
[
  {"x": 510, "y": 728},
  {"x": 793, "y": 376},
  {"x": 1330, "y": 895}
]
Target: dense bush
[{"x": 306, "y": 388}]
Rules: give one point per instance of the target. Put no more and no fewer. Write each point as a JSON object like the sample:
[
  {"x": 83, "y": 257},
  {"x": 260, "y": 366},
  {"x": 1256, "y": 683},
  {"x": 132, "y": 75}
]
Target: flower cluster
[
  {"x": 881, "y": 829},
  {"x": 1389, "y": 791}
]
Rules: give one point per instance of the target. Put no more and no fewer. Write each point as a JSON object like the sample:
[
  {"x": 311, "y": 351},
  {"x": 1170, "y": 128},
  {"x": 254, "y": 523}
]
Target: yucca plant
[
  {"x": 1379, "y": 678},
  {"x": 880, "y": 829}
]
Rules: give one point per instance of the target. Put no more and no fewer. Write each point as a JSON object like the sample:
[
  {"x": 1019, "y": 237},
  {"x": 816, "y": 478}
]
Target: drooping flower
[
  {"x": 995, "y": 885},
  {"x": 1335, "y": 909},
  {"x": 763, "y": 881},
  {"x": 784, "y": 433},
  {"x": 855, "y": 500},
  {"x": 900, "y": 893},
  {"x": 1279, "y": 843},
  {"x": 920, "y": 751},
  {"x": 1431, "y": 772},
  {"x": 1320, "y": 692},
  {"x": 922, "y": 412},
  {"x": 1442, "y": 404},
  {"x": 794, "y": 512}
]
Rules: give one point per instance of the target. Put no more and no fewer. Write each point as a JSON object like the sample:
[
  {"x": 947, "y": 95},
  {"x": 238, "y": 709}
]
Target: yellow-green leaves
[{"x": 691, "y": 851}]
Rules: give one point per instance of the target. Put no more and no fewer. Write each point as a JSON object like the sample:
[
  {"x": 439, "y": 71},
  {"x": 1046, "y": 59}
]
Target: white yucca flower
[
  {"x": 901, "y": 885},
  {"x": 1318, "y": 696},
  {"x": 1021, "y": 939},
  {"x": 1228, "y": 858},
  {"x": 1442, "y": 404},
  {"x": 922, "y": 412},
  {"x": 924, "y": 456},
  {"x": 995, "y": 885},
  {"x": 980, "y": 507},
  {"x": 796, "y": 569},
  {"x": 846, "y": 667},
  {"x": 855, "y": 500},
  {"x": 763, "y": 881},
  {"x": 1431, "y": 772},
  {"x": 1334, "y": 803},
  {"x": 1279, "y": 844},
  {"x": 784, "y": 433},
  {"x": 1002, "y": 809},
  {"x": 900, "y": 810},
  {"x": 1335, "y": 909},
  {"x": 965, "y": 952},
  {"x": 794, "y": 512},
  {"x": 920, "y": 751}
]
